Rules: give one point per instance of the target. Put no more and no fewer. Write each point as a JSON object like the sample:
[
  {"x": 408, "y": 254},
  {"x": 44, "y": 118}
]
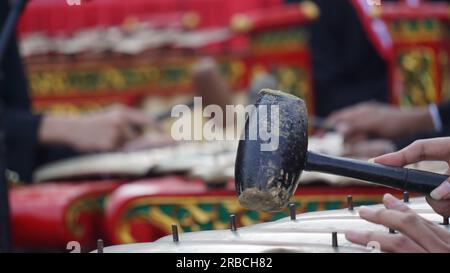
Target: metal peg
[
  {"x": 233, "y": 222},
  {"x": 350, "y": 202},
  {"x": 406, "y": 197},
  {"x": 175, "y": 233},
  {"x": 100, "y": 246},
  {"x": 334, "y": 239},
  {"x": 292, "y": 211}
]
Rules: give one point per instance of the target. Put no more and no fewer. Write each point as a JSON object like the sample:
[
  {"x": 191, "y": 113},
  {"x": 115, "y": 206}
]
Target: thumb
[{"x": 442, "y": 192}]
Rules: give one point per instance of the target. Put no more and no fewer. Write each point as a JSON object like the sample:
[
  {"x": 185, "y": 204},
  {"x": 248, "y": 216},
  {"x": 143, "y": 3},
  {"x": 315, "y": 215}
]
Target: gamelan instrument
[
  {"x": 310, "y": 232},
  {"x": 212, "y": 161},
  {"x": 265, "y": 180}
]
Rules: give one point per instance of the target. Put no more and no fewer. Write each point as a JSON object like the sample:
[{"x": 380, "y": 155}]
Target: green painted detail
[
  {"x": 218, "y": 213},
  {"x": 87, "y": 205}
]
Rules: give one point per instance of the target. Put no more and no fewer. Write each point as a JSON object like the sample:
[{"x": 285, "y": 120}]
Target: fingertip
[
  {"x": 342, "y": 128},
  {"x": 381, "y": 159},
  {"x": 352, "y": 235},
  {"x": 441, "y": 191},
  {"x": 440, "y": 207},
  {"x": 390, "y": 198},
  {"x": 366, "y": 212},
  {"x": 392, "y": 159},
  {"x": 391, "y": 202}
]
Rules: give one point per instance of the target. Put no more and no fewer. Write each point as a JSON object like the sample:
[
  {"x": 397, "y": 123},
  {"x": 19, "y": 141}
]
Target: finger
[
  {"x": 442, "y": 192},
  {"x": 390, "y": 202},
  {"x": 426, "y": 149},
  {"x": 146, "y": 120},
  {"x": 338, "y": 116},
  {"x": 138, "y": 118},
  {"x": 343, "y": 121},
  {"x": 348, "y": 123},
  {"x": 441, "y": 207},
  {"x": 146, "y": 143},
  {"x": 155, "y": 124},
  {"x": 410, "y": 224},
  {"x": 129, "y": 132},
  {"x": 388, "y": 242},
  {"x": 349, "y": 113},
  {"x": 134, "y": 117},
  {"x": 355, "y": 136},
  {"x": 392, "y": 159}
]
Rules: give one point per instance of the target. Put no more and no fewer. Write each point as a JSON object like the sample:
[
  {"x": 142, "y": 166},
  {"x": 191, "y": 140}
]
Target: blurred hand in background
[
  {"x": 375, "y": 120},
  {"x": 96, "y": 132}
]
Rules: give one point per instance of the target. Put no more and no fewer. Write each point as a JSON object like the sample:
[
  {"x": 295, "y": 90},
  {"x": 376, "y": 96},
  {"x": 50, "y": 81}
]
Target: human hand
[
  {"x": 415, "y": 234},
  {"x": 428, "y": 149},
  {"x": 147, "y": 142},
  {"x": 96, "y": 132},
  {"x": 370, "y": 119}
]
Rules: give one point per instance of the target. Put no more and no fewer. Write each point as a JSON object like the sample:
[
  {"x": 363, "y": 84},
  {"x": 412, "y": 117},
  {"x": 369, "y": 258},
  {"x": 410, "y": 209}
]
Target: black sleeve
[{"x": 444, "y": 112}]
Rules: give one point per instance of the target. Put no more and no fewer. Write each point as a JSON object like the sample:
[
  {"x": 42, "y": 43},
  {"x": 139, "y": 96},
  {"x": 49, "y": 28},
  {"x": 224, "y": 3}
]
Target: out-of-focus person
[
  {"x": 33, "y": 139},
  {"x": 346, "y": 66}
]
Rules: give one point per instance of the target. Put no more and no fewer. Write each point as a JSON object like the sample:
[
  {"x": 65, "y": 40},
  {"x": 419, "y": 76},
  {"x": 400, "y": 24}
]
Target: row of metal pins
[
  {"x": 351, "y": 207},
  {"x": 293, "y": 217},
  {"x": 334, "y": 240},
  {"x": 176, "y": 237}
]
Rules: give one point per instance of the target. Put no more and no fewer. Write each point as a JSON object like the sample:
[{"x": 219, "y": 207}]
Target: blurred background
[{"x": 102, "y": 77}]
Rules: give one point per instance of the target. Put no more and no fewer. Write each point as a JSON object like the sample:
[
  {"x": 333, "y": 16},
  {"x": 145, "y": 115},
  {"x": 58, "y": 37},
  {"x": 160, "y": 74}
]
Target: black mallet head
[{"x": 265, "y": 180}]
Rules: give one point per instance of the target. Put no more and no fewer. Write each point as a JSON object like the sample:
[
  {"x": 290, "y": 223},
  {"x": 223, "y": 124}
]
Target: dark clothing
[
  {"x": 444, "y": 112},
  {"x": 21, "y": 126},
  {"x": 346, "y": 67}
]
